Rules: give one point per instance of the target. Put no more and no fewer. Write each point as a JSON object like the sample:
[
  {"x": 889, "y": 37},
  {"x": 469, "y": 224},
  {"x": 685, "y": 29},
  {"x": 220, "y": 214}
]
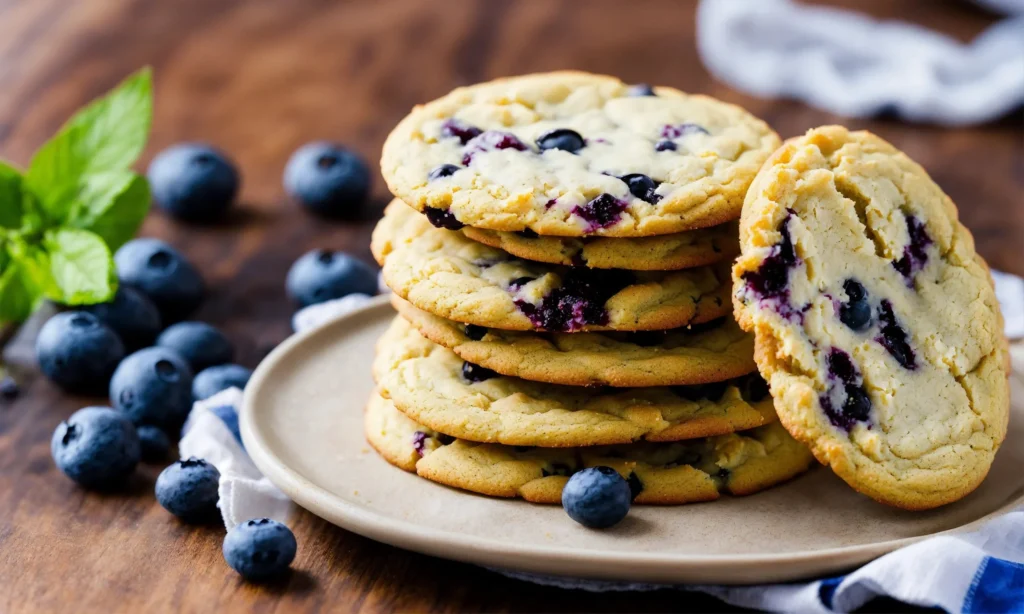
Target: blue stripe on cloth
[
  {"x": 229, "y": 417},
  {"x": 998, "y": 587},
  {"x": 827, "y": 589}
]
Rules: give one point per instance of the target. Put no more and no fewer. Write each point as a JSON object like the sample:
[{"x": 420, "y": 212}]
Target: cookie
[
  {"x": 658, "y": 473},
  {"x": 574, "y": 154},
  {"x": 682, "y": 250},
  {"x": 711, "y": 352},
  {"x": 444, "y": 273},
  {"x": 876, "y": 323},
  {"x": 436, "y": 388}
]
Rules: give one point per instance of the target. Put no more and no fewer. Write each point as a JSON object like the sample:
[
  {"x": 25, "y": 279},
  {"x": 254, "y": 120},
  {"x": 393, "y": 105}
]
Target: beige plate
[{"x": 302, "y": 424}]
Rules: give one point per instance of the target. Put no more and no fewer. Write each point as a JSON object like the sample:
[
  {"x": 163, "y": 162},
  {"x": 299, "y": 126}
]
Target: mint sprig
[{"x": 79, "y": 200}]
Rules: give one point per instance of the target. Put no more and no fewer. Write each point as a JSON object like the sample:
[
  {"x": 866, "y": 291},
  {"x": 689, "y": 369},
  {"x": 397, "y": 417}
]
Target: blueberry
[
  {"x": 856, "y": 312},
  {"x": 156, "y": 445},
  {"x": 328, "y": 179},
  {"x": 894, "y": 337},
  {"x": 475, "y": 373},
  {"x": 188, "y": 489},
  {"x": 603, "y": 211},
  {"x": 643, "y": 187},
  {"x": 440, "y": 172},
  {"x": 915, "y": 254},
  {"x": 854, "y": 404},
  {"x": 670, "y": 131},
  {"x": 78, "y": 352},
  {"x": 9, "y": 389},
  {"x": 597, "y": 497},
  {"x": 442, "y": 218},
  {"x": 491, "y": 140},
  {"x": 771, "y": 280},
  {"x": 561, "y": 138},
  {"x": 259, "y": 549},
  {"x": 132, "y": 316},
  {"x": 578, "y": 302},
  {"x": 161, "y": 273},
  {"x": 640, "y": 89},
  {"x": 200, "y": 344},
  {"x": 665, "y": 145},
  {"x": 209, "y": 382},
  {"x": 153, "y": 386},
  {"x": 320, "y": 276},
  {"x": 455, "y": 128},
  {"x": 193, "y": 181},
  {"x": 96, "y": 447}
]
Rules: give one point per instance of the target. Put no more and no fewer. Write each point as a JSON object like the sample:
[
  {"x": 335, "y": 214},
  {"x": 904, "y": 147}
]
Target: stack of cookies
[{"x": 560, "y": 251}]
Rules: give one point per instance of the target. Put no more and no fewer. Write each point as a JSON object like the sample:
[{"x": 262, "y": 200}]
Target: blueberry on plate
[
  {"x": 193, "y": 182},
  {"x": 188, "y": 489},
  {"x": 199, "y": 343},
  {"x": 597, "y": 497},
  {"x": 9, "y": 389},
  {"x": 132, "y": 316},
  {"x": 209, "y": 382},
  {"x": 161, "y": 273},
  {"x": 259, "y": 549},
  {"x": 78, "y": 352},
  {"x": 96, "y": 447},
  {"x": 154, "y": 442},
  {"x": 153, "y": 386},
  {"x": 328, "y": 179},
  {"x": 321, "y": 275}
]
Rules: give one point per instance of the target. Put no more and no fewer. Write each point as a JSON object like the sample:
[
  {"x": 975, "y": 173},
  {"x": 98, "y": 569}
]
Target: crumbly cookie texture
[
  {"x": 658, "y": 473},
  {"x": 575, "y": 154},
  {"x": 444, "y": 273},
  {"x": 682, "y": 250},
  {"x": 438, "y": 389},
  {"x": 708, "y": 353},
  {"x": 876, "y": 323}
]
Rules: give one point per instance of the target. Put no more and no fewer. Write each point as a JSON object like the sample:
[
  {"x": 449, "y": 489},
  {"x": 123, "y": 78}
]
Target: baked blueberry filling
[
  {"x": 578, "y": 302},
  {"x": 519, "y": 282},
  {"x": 601, "y": 212},
  {"x": 561, "y": 138},
  {"x": 445, "y": 170},
  {"x": 894, "y": 338},
  {"x": 474, "y": 332},
  {"x": 771, "y": 279},
  {"x": 915, "y": 254},
  {"x": 665, "y": 145},
  {"x": 454, "y": 128},
  {"x": 846, "y": 402},
  {"x": 856, "y": 311},
  {"x": 475, "y": 373},
  {"x": 442, "y": 218},
  {"x": 675, "y": 131},
  {"x": 642, "y": 186},
  {"x": 491, "y": 140},
  {"x": 419, "y": 442},
  {"x": 640, "y": 89}
]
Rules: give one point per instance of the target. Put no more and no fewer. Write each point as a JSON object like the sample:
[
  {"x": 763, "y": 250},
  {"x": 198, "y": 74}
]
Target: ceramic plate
[{"x": 302, "y": 424}]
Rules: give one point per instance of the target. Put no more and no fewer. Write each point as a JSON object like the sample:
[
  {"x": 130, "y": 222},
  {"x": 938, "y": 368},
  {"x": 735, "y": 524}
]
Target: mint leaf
[
  {"x": 111, "y": 205},
  {"x": 25, "y": 281},
  {"x": 10, "y": 196},
  {"x": 81, "y": 266},
  {"x": 107, "y": 135}
]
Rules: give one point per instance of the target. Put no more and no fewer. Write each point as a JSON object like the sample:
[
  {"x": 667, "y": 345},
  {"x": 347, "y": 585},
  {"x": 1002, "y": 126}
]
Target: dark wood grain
[{"x": 258, "y": 78}]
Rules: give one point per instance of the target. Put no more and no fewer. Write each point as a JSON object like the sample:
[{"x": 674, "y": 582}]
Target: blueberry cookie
[
  {"x": 444, "y": 273},
  {"x": 658, "y": 473},
  {"x": 436, "y": 388},
  {"x": 876, "y": 322},
  {"x": 681, "y": 250},
  {"x": 574, "y": 154},
  {"x": 707, "y": 353}
]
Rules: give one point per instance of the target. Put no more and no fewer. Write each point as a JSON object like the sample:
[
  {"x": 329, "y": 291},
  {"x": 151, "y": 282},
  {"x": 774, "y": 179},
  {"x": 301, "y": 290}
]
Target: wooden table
[{"x": 258, "y": 78}]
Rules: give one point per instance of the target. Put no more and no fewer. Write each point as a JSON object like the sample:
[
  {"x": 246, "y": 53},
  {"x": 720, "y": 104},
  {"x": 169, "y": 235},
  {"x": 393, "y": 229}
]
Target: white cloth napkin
[
  {"x": 981, "y": 571},
  {"x": 846, "y": 63}
]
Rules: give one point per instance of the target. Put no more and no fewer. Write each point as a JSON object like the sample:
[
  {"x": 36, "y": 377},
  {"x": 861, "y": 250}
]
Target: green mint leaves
[{"x": 79, "y": 200}]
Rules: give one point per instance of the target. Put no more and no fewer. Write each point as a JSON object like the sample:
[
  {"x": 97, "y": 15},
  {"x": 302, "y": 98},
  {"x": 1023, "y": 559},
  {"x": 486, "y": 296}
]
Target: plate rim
[{"x": 338, "y": 510}]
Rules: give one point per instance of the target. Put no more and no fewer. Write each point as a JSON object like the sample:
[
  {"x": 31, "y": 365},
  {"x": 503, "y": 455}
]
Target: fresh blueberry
[
  {"x": 455, "y": 128},
  {"x": 200, "y": 344},
  {"x": 640, "y": 89},
  {"x": 597, "y": 497},
  {"x": 475, "y": 373},
  {"x": 156, "y": 445},
  {"x": 96, "y": 447},
  {"x": 442, "y": 218},
  {"x": 603, "y": 211},
  {"x": 188, "y": 489},
  {"x": 856, "y": 312},
  {"x": 440, "y": 172},
  {"x": 193, "y": 181},
  {"x": 78, "y": 352},
  {"x": 209, "y": 382},
  {"x": 643, "y": 187},
  {"x": 259, "y": 549},
  {"x": 153, "y": 386},
  {"x": 320, "y": 276},
  {"x": 161, "y": 273},
  {"x": 132, "y": 316},
  {"x": 561, "y": 138},
  {"x": 9, "y": 389},
  {"x": 328, "y": 179}
]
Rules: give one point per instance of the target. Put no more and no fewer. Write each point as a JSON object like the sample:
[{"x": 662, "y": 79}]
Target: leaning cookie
[
  {"x": 712, "y": 352},
  {"x": 658, "y": 473},
  {"x": 876, "y": 323},
  {"x": 438, "y": 389},
  {"x": 576, "y": 154},
  {"x": 444, "y": 273}
]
